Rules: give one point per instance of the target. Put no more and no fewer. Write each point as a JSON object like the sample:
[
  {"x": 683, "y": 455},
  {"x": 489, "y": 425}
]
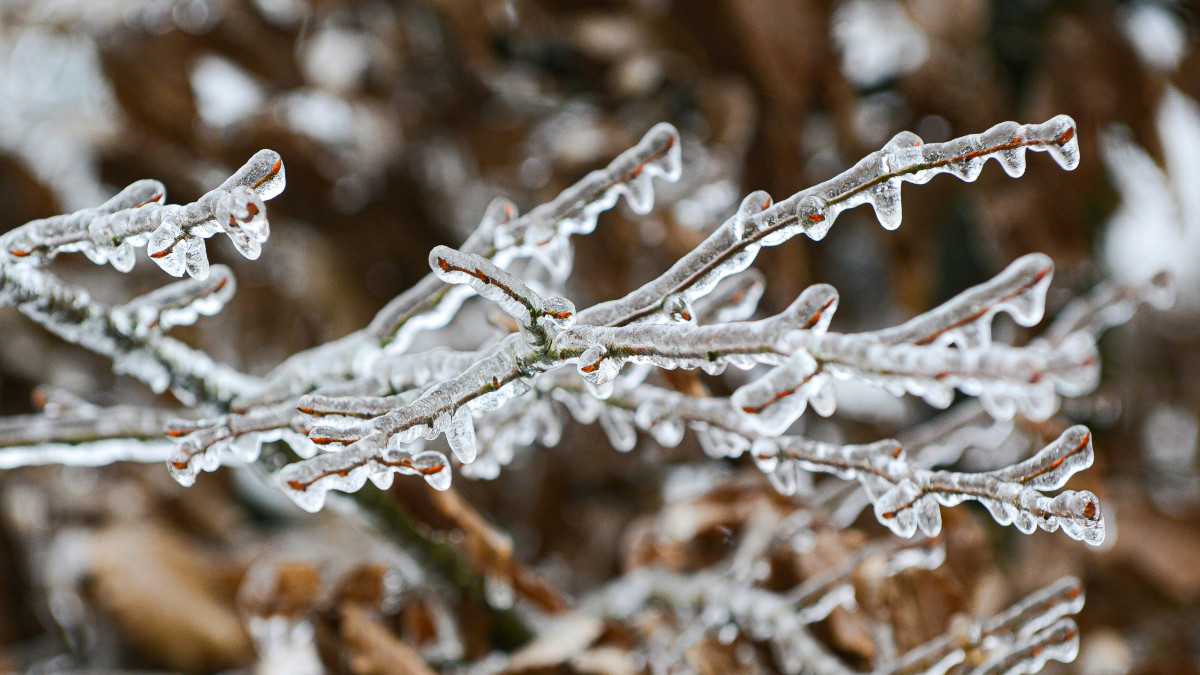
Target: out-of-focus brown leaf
[
  {"x": 172, "y": 602},
  {"x": 374, "y": 650}
]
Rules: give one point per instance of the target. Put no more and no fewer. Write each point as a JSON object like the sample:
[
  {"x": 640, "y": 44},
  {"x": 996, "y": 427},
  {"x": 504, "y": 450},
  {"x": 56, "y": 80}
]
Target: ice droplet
[
  {"x": 895, "y": 508},
  {"x": 618, "y": 427},
  {"x": 639, "y": 193},
  {"x": 678, "y": 309},
  {"x": 771, "y": 403},
  {"x": 885, "y": 199},
  {"x": 766, "y": 454},
  {"x": 498, "y": 591},
  {"x": 122, "y": 257},
  {"x": 1065, "y": 150},
  {"x": 670, "y": 163},
  {"x": 784, "y": 478}
]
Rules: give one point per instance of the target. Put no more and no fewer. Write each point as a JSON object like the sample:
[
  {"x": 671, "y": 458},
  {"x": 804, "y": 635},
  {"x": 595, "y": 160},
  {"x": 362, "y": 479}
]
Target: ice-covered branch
[
  {"x": 177, "y": 304},
  {"x": 574, "y": 211},
  {"x": 504, "y": 371},
  {"x": 966, "y": 319},
  {"x": 74, "y": 432},
  {"x": 1018, "y": 640},
  {"x": 906, "y": 497},
  {"x": 602, "y": 351},
  {"x": 136, "y": 349},
  {"x": 201, "y": 442},
  {"x": 131, "y": 334},
  {"x": 172, "y": 234},
  {"x": 1109, "y": 304},
  {"x": 710, "y": 600},
  {"x": 501, "y": 237},
  {"x": 538, "y": 318},
  {"x": 874, "y": 180},
  {"x": 1007, "y": 378}
]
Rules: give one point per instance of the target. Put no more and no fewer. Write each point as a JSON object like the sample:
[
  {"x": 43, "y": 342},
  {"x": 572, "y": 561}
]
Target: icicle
[
  {"x": 1062, "y": 144},
  {"x": 618, "y": 427},
  {"x": 461, "y": 436},
  {"x": 885, "y": 199},
  {"x": 241, "y": 215},
  {"x": 660, "y": 421},
  {"x": 784, "y": 477}
]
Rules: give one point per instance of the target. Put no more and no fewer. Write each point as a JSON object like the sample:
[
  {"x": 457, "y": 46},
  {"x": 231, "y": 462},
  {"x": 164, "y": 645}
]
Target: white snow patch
[
  {"x": 225, "y": 93},
  {"x": 877, "y": 41}
]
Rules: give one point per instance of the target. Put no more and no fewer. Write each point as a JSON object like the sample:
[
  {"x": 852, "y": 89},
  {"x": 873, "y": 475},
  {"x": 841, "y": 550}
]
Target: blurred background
[{"x": 399, "y": 121}]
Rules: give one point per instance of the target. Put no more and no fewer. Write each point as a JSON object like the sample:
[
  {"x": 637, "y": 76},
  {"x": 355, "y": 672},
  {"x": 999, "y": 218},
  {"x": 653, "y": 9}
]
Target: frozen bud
[
  {"x": 596, "y": 367},
  {"x": 241, "y": 214},
  {"x": 165, "y": 250}
]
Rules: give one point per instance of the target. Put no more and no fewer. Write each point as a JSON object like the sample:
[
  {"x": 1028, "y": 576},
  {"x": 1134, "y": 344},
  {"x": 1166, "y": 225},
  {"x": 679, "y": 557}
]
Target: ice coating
[
  {"x": 91, "y": 453},
  {"x": 131, "y": 334},
  {"x": 308, "y": 482},
  {"x": 906, "y": 496},
  {"x": 1059, "y": 642},
  {"x": 39, "y": 240},
  {"x": 372, "y": 427},
  {"x": 200, "y": 444},
  {"x": 1008, "y": 380},
  {"x": 728, "y": 604},
  {"x": 729, "y": 250}
]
